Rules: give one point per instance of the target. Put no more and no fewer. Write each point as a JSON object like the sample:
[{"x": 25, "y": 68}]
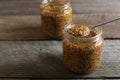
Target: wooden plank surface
[
  {"x": 31, "y": 7},
  {"x": 43, "y": 59},
  {"x": 29, "y": 28},
  {"x": 20, "y": 19}
]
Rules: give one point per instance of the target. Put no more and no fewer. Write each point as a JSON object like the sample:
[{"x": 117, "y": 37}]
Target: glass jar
[
  {"x": 82, "y": 55},
  {"x": 55, "y": 14}
]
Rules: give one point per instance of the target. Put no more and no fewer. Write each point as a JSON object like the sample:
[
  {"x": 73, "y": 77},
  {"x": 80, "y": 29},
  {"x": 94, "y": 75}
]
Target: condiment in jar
[
  {"x": 82, "y": 53},
  {"x": 55, "y": 14}
]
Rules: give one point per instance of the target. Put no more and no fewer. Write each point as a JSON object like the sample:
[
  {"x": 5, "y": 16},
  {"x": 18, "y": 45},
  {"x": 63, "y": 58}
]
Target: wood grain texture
[
  {"x": 44, "y": 59},
  {"x": 31, "y": 7},
  {"x": 20, "y": 19},
  {"x": 29, "y": 28}
]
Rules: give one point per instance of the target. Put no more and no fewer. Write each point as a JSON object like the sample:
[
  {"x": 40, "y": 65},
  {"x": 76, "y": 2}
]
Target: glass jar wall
[
  {"x": 82, "y": 54},
  {"x": 55, "y": 14}
]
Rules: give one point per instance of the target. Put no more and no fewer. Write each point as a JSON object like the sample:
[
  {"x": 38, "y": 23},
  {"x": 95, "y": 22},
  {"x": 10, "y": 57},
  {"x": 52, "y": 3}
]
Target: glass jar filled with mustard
[{"x": 55, "y": 14}]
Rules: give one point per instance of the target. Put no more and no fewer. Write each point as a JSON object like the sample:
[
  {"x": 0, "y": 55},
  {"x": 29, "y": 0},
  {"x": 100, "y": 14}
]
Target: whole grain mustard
[
  {"x": 82, "y": 54},
  {"x": 54, "y": 16}
]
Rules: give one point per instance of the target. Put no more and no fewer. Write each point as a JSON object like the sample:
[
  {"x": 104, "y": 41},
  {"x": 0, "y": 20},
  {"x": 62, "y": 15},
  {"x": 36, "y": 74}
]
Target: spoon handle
[{"x": 106, "y": 22}]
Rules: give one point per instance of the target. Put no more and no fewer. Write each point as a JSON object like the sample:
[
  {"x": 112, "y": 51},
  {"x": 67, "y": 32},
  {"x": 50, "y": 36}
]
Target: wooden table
[
  {"x": 43, "y": 59},
  {"x": 26, "y": 52}
]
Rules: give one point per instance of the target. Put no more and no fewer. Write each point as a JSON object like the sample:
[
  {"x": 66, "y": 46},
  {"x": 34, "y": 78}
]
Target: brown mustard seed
[
  {"x": 82, "y": 31},
  {"x": 82, "y": 57},
  {"x": 54, "y": 17},
  {"x": 79, "y": 31},
  {"x": 93, "y": 33}
]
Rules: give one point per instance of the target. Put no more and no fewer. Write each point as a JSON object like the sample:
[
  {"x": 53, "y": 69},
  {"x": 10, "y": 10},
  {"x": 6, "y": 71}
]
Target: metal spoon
[{"x": 104, "y": 23}]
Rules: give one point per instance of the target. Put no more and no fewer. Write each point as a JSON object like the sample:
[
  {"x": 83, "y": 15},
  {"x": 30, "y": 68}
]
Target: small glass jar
[
  {"x": 82, "y": 55},
  {"x": 55, "y": 14}
]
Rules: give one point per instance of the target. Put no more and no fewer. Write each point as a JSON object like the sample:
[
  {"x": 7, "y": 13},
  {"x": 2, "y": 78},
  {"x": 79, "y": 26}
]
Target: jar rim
[
  {"x": 70, "y": 25},
  {"x": 48, "y": 1}
]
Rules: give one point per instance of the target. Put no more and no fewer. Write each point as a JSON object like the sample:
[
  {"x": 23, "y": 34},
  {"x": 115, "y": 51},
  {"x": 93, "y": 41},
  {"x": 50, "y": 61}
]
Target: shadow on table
[
  {"x": 43, "y": 65},
  {"x": 52, "y": 66}
]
